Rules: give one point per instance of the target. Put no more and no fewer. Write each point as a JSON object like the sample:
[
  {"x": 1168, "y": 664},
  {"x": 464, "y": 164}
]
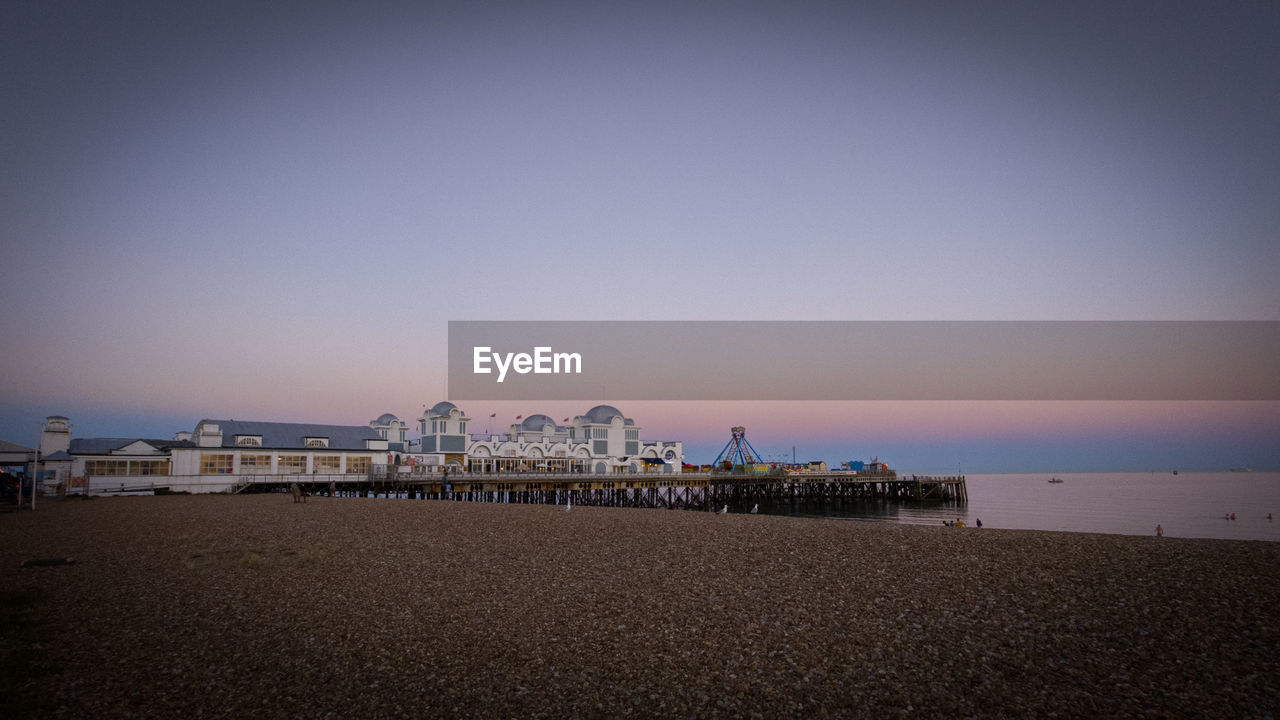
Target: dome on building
[
  {"x": 602, "y": 414},
  {"x": 441, "y": 408},
  {"x": 534, "y": 423},
  {"x": 385, "y": 419}
]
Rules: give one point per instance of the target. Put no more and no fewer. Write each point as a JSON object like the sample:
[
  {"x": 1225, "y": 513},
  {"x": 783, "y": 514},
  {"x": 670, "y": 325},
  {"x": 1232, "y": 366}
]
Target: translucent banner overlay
[{"x": 838, "y": 360}]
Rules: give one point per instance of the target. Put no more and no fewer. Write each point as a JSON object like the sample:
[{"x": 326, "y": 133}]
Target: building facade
[
  {"x": 237, "y": 447},
  {"x": 220, "y": 454},
  {"x": 600, "y": 441}
]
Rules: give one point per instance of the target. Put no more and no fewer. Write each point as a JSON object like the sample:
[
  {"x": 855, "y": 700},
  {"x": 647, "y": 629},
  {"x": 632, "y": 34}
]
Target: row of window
[
  {"x": 126, "y": 467},
  {"x": 223, "y": 464},
  {"x": 256, "y": 441}
]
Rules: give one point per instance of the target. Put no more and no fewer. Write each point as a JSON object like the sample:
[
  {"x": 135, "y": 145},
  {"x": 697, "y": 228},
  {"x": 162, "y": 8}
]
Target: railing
[
  {"x": 117, "y": 484},
  {"x": 106, "y": 484},
  {"x": 532, "y": 475}
]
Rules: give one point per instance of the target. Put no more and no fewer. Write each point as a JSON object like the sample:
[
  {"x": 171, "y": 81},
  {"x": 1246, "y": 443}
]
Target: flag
[
  {"x": 493, "y": 414},
  {"x": 566, "y": 419},
  {"x": 519, "y": 416}
]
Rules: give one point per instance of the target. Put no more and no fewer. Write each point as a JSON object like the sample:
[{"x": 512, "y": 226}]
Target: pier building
[
  {"x": 219, "y": 454},
  {"x": 600, "y": 441},
  {"x": 237, "y": 447},
  {"x": 222, "y": 455}
]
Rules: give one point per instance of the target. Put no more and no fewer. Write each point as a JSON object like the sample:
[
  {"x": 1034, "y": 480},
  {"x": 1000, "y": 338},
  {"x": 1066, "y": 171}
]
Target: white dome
[
  {"x": 441, "y": 409},
  {"x": 602, "y": 414},
  {"x": 534, "y": 423}
]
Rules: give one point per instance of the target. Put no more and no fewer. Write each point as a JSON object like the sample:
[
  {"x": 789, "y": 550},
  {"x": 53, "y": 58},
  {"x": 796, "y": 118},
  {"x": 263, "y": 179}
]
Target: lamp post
[{"x": 35, "y": 470}]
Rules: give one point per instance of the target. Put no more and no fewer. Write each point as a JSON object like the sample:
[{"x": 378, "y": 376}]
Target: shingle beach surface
[{"x": 254, "y": 606}]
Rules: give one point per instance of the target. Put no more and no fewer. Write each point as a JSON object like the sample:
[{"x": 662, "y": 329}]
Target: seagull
[
  {"x": 723, "y": 510},
  {"x": 755, "y": 508},
  {"x": 567, "y": 506}
]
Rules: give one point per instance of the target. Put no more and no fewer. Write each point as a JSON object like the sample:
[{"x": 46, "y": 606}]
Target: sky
[{"x": 271, "y": 210}]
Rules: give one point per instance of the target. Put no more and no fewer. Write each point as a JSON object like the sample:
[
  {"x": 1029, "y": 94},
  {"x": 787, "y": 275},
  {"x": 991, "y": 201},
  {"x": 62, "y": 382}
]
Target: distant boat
[
  {"x": 1242, "y": 469},
  {"x": 1175, "y": 472},
  {"x": 1056, "y": 480}
]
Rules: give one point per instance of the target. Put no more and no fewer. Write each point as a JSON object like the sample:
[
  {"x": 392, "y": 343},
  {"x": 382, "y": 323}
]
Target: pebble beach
[{"x": 256, "y": 606}]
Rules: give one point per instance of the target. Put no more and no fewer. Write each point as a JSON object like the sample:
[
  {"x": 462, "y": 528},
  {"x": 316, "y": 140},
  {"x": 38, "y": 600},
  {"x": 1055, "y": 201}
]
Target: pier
[{"x": 676, "y": 491}]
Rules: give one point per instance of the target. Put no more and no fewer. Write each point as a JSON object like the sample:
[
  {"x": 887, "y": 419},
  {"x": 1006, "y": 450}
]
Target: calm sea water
[{"x": 1186, "y": 504}]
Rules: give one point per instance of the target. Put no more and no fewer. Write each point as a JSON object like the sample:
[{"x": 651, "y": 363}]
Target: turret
[{"x": 56, "y": 435}]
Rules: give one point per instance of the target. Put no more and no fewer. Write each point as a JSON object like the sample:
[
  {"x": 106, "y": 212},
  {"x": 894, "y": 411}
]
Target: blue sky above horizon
[{"x": 271, "y": 210}]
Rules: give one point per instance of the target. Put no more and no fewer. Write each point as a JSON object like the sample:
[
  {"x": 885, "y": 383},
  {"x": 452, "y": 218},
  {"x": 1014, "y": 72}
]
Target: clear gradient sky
[{"x": 270, "y": 210}]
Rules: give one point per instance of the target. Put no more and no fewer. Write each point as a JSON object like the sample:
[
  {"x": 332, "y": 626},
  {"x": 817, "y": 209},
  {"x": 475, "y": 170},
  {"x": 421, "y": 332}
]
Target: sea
[{"x": 1188, "y": 504}]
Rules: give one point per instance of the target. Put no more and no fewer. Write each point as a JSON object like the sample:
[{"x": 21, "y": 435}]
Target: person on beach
[
  {"x": 979, "y": 522},
  {"x": 1159, "y": 531}
]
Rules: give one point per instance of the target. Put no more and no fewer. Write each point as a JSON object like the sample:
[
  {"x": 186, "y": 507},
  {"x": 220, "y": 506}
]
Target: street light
[{"x": 35, "y": 471}]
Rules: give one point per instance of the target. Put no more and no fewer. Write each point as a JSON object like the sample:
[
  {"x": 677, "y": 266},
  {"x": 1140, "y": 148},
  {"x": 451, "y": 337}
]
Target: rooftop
[{"x": 294, "y": 435}]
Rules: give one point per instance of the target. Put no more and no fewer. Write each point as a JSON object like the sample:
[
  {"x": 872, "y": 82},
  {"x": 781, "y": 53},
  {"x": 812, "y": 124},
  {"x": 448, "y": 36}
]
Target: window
[
  {"x": 357, "y": 465},
  {"x": 211, "y": 464},
  {"x": 463, "y": 431},
  {"x": 126, "y": 467},
  {"x": 106, "y": 467},
  {"x": 633, "y": 435},
  {"x": 291, "y": 464},
  {"x": 326, "y": 463},
  {"x": 255, "y": 464},
  {"x": 249, "y": 440},
  {"x": 149, "y": 467},
  {"x": 318, "y": 442}
]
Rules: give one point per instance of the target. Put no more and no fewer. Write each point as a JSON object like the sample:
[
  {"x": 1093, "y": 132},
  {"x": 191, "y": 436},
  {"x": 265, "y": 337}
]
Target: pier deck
[{"x": 685, "y": 491}]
